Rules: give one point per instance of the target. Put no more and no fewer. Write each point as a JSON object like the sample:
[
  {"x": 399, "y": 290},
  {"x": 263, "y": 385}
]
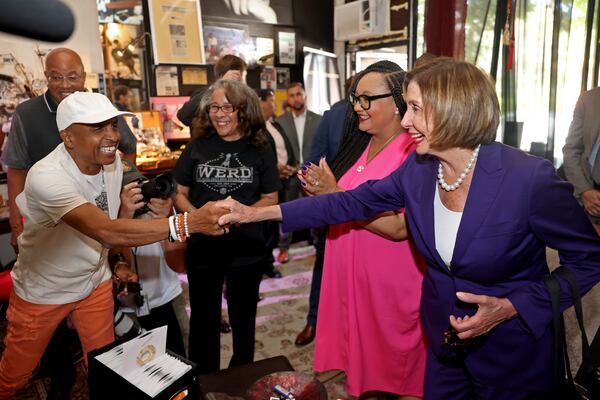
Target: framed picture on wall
[
  {"x": 172, "y": 128},
  {"x": 220, "y": 40},
  {"x": 286, "y": 47},
  {"x": 283, "y": 77},
  {"x": 176, "y": 27},
  {"x": 123, "y": 62},
  {"x": 167, "y": 83}
]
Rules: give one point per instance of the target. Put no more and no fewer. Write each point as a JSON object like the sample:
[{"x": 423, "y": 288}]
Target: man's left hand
[
  {"x": 491, "y": 312},
  {"x": 160, "y": 208}
]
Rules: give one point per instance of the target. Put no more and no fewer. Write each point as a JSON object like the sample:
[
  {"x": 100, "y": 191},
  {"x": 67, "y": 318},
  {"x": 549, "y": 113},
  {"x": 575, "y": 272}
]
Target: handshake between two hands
[{"x": 216, "y": 217}]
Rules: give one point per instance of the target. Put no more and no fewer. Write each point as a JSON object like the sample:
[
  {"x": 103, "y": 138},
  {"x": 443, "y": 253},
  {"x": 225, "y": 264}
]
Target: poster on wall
[
  {"x": 166, "y": 81},
  {"x": 124, "y": 62},
  {"x": 286, "y": 42},
  {"x": 269, "y": 12},
  {"x": 176, "y": 27}
]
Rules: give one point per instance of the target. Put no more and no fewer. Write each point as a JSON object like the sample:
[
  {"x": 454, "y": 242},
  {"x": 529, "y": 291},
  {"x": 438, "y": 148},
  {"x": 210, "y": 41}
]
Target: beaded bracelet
[
  {"x": 180, "y": 229},
  {"x": 185, "y": 224}
]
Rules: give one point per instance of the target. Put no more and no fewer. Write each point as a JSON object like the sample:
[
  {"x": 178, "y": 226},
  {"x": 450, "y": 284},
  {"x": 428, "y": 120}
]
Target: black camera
[{"x": 162, "y": 187}]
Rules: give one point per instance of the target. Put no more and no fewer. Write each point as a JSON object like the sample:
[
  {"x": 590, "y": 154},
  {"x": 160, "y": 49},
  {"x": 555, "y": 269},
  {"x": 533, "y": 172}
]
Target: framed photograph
[
  {"x": 283, "y": 77},
  {"x": 268, "y": 78},
  {"x": 220, "y": 40},
  {"x": 123, "y": 62},
  {"x": 286, "y": 47},
  {"x": 167, "y": 107},
  {"x": 176, "y": 27}
]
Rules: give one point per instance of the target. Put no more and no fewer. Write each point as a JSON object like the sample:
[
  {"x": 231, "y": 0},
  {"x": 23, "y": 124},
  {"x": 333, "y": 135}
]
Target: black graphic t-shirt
[{"x": 214, "y": 169}]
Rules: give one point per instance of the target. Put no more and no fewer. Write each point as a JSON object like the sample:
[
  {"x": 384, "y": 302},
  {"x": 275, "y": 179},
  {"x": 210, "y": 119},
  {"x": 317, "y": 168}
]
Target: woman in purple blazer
[{"x": 482, "y": 215}]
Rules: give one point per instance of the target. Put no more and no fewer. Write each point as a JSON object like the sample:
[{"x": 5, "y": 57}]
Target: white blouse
[{"x": 446, "y": 224}]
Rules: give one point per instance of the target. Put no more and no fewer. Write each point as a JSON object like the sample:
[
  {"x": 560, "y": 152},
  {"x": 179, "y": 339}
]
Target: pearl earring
[{"x": 397, "y": 111}]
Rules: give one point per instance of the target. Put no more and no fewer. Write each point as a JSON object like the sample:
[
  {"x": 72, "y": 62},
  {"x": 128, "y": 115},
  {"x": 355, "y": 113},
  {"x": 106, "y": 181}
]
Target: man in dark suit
[
  {"x": 581, "y": 162},
  {"x": 299, "y": 125}
]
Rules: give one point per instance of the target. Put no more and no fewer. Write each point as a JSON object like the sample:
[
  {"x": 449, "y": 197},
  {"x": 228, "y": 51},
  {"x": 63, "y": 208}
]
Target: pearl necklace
[{"x": 462, "y": 176}]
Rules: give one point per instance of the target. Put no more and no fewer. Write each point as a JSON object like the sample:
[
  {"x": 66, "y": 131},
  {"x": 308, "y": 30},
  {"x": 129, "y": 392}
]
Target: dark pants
[
  {"x": 206, "y": 285},
  {"x": 315, "y": 285},
  {"x": 165, "y": 315},
  {"x": 453, "y": 382}
]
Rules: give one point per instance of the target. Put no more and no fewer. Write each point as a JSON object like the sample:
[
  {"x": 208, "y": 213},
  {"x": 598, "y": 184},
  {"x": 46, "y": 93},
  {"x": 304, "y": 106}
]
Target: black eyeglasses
[
  {"x": 59, "y": 78},
  {"x": 226, "y": 108},
  {"x": 365, "y": 101}
]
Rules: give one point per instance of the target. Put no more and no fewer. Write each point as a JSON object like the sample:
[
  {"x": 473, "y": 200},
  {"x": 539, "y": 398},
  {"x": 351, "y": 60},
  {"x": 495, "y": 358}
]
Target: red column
[{"x": 445, "y": 27}]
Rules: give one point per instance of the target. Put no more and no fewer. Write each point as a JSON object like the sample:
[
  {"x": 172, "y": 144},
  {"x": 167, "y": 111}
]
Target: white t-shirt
[
  {"x": 282, "y": 155},
  {"x": 58, "y": 264},
  {"x": 446, "y": 228},
  {"x": 159, "y": 282}
]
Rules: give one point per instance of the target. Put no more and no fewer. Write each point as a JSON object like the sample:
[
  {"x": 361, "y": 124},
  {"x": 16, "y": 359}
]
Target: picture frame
[
  {"x": 176, "y": 27},
  {"x": 283, "y": 77},
  {"x": 167, "y": 107},
  {"x": 221, "y": 39},
  {"x": 123, "y": 62},
  {"x": 167, "y": 80},
  {"x": 286, "y": 47}
]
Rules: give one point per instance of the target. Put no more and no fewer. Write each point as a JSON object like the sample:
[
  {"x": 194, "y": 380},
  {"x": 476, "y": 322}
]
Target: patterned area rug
[{"x": 282, "y": 314}]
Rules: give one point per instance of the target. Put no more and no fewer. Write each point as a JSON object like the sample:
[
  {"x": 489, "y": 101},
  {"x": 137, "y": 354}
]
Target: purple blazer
[{"x": 516, "y": 206}]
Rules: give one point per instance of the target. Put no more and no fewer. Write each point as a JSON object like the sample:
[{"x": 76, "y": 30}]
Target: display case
[{"x": 153, "y": 154}]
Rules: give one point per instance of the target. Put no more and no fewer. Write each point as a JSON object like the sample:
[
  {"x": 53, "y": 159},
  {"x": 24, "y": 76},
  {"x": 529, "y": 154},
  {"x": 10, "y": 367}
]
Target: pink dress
[{"x": 368, "y": 321}]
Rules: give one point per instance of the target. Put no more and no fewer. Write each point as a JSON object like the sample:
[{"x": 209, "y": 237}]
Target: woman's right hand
[
  {"x": 238, "y": 212},
  {"x": 318, "y": 179},
  {"x": 241, "y": 214}
]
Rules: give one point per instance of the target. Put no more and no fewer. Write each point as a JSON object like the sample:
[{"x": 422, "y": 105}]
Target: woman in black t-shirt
[{"x": 229, "y": 156}]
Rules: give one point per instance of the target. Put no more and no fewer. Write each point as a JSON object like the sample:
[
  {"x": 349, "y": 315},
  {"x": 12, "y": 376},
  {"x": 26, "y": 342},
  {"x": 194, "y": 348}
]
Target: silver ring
[{"x": 316, "y": 183}]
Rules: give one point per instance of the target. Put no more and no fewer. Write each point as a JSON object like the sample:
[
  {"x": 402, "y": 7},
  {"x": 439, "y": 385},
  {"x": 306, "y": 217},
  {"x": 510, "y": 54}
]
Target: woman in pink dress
[{"x": 368, "y": 321}]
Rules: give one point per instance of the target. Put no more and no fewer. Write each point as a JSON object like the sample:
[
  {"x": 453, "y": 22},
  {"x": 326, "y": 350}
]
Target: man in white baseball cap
[{"x": 70, "y": 204}]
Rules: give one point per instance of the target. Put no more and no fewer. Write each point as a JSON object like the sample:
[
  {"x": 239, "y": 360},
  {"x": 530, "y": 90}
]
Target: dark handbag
[{"x": 588, "y": 384}]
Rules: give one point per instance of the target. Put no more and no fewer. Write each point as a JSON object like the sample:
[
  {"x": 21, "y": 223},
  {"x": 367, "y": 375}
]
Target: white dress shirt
[{"x": 300, "y": 122}]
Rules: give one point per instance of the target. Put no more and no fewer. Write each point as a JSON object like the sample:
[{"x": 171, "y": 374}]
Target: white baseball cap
[{"x": 85, "y": 108}]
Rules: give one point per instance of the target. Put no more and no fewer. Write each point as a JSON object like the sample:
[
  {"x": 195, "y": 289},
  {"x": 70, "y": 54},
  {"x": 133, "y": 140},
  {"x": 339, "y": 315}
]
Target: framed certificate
[{"x": 286, "y": 47}]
